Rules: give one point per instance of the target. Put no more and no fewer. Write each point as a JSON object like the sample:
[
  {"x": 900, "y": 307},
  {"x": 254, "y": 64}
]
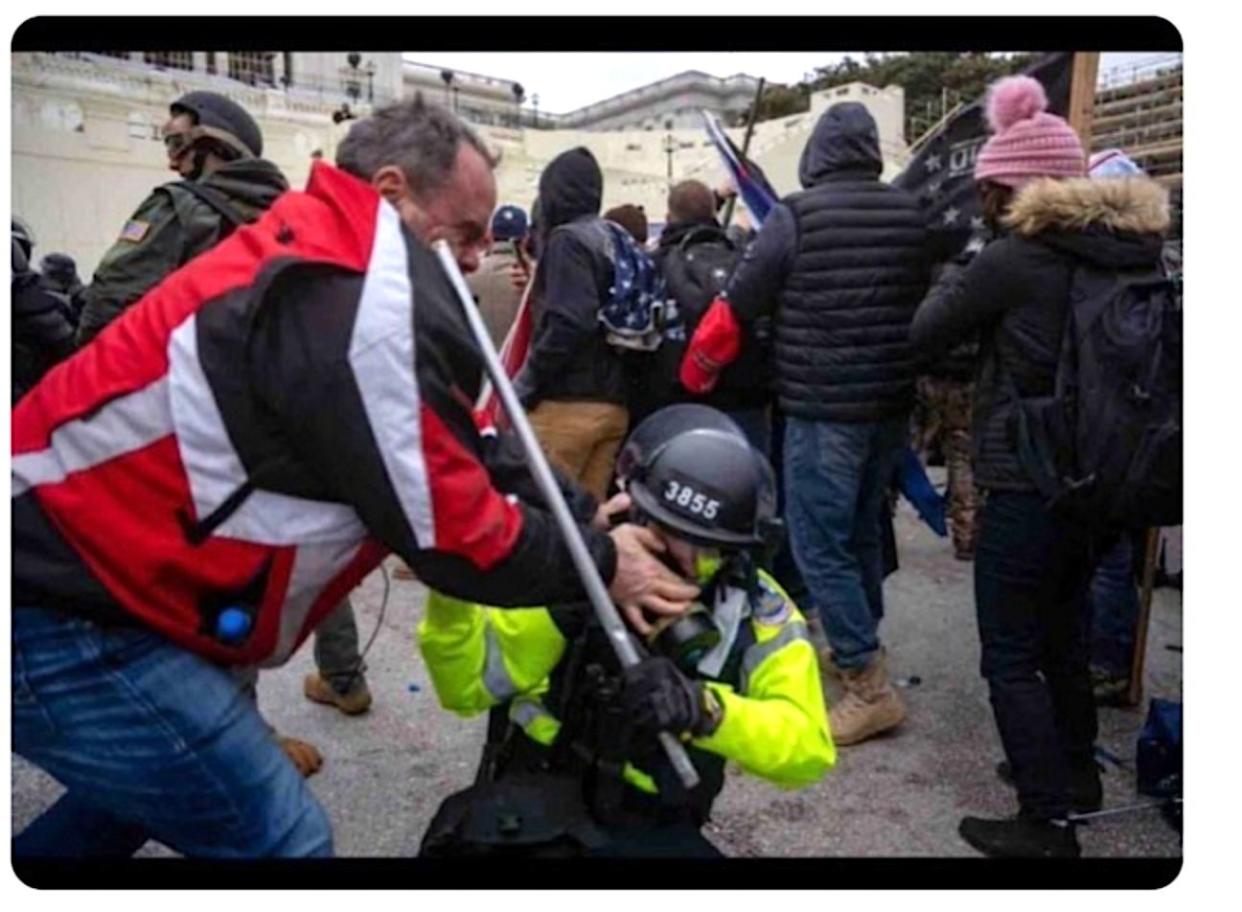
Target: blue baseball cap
[{"x": 509, "y": 223}]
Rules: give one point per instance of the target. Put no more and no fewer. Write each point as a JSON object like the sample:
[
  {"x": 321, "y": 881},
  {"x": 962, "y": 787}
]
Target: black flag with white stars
[{"x": 941, "y": 174}]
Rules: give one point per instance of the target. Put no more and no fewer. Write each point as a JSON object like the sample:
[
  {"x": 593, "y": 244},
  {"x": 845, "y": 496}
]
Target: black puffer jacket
[
  {"x": 1016, "y": 294},
  {"x": 846, "y": 263},
  {"x": 570, "y": 359},
  {"x": 961, "y": 362}
]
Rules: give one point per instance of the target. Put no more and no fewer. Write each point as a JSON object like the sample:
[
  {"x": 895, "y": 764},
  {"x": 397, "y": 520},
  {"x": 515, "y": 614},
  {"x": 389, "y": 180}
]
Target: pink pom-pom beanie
[{"x": 1027, "y": 142}]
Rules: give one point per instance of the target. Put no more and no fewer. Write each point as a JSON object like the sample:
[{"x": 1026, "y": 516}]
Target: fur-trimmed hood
[
  {"x": 1134, "y": 205},
  {"x": 1113, "y": 223}
]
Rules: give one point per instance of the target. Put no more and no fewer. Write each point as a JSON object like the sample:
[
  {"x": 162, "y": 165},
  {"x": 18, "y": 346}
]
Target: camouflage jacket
[{"x": 170, "y": 228}]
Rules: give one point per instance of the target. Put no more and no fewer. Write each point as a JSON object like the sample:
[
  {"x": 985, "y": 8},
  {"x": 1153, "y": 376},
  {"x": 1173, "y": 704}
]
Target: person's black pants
[{"x": 1031, "y": 576}]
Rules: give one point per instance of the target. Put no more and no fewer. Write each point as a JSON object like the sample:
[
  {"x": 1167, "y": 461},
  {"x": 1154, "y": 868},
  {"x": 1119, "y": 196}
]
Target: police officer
[
  {"x": 572, "y": 765},
  {"x": 215, "y": 145}
]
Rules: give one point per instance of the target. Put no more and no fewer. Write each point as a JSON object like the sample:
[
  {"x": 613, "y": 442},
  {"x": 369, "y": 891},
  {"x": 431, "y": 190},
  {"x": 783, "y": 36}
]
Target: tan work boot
[
  {"x": 828, "y": 669},
  {"x": 355, "y": 701},
  {"x": 870, "y": 705},
  {"x": 302, "y": 754}
]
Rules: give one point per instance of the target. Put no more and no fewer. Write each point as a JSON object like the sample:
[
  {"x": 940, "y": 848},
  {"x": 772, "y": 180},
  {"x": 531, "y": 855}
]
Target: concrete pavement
[{"x": 385, "y": 772}]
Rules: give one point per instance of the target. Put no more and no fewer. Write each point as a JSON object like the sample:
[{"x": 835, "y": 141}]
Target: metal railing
[{"x": 1145, "y": 68}]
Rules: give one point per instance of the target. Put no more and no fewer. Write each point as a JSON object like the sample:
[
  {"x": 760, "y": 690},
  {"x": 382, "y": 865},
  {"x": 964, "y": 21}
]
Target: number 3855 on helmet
[{"x": 690, "y": 469}]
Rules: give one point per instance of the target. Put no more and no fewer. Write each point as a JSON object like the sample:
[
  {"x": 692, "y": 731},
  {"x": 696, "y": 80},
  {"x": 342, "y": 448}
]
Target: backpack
[
  {"x": 633, "y": 315},
  {"x": 696, "y": 273},
  {"x": 1106, "y": 448}
]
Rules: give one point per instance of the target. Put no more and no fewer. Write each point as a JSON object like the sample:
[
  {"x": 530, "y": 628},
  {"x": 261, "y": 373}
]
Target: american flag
[
  {"x": 752, "y": 185},
  {"x": 941, "y": 174}
]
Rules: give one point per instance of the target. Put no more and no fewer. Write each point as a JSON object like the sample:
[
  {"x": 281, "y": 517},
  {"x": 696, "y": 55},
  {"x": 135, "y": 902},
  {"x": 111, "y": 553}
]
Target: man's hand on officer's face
[
  {"x": 642, "y": 581},
  {"x": 619, "y": 503}
]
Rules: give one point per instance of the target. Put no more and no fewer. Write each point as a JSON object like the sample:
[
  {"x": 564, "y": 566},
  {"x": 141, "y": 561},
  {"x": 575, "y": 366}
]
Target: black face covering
[{"x": 198, "y": 158}]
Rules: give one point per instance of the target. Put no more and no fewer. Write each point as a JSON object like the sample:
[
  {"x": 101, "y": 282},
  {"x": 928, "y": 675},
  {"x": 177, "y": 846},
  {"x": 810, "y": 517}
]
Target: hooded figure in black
[
  {"x": 842, "y": 264},
  {"x": 572, "y": 381},
  {"x": 569, "y": 358}
]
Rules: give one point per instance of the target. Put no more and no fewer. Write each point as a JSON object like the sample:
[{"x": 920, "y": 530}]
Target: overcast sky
[{"x": 568, "y": 80}]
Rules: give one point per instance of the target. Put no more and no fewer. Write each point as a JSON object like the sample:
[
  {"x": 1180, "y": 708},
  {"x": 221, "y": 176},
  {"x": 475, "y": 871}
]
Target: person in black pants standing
[{"x": 1033, "y": 567}]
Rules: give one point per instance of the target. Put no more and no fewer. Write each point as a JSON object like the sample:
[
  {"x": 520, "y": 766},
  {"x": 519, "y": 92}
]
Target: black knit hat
[{"x": 219, "y": 113}]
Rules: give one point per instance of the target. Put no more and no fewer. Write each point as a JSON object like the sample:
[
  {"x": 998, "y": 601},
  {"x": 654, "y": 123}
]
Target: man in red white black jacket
[{"x": 196, "y": 489}]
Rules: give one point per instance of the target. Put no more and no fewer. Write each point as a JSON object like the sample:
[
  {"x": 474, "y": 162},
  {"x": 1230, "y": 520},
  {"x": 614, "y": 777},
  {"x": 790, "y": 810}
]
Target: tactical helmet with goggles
[
  {"x": 690, "y": 469},
  {"x": 218, "y": 121}
]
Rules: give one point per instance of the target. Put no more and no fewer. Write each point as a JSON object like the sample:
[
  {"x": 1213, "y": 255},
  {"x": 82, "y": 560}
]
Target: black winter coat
[
  {"x": 570, "y": 358},
  {"x": 961, "y": 362},
  {"x": 42, "y": 331},
  {"x": 845, "y": 263},
  {"x": 1016, "y": 294}
]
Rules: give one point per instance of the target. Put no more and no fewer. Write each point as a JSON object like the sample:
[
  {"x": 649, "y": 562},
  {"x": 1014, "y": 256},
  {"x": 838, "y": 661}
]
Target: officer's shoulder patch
[
  {"x": 773, "y": 608},
  {"x": 135, "y": 230}
]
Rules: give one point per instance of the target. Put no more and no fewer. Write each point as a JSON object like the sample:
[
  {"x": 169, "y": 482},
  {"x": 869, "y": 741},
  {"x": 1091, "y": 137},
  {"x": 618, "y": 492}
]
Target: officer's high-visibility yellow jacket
[{"x": 775, "y": 724}]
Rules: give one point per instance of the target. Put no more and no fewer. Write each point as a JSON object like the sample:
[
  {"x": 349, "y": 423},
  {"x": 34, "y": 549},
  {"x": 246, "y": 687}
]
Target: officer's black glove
[{"x": 658, "y": 697}]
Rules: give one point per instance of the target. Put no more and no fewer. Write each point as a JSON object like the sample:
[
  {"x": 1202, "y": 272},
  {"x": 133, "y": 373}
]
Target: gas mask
[{"x": 699, "y": 640}]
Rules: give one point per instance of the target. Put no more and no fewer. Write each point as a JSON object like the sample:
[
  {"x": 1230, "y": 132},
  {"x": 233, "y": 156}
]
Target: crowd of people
[{"x": 263, "y": 391}]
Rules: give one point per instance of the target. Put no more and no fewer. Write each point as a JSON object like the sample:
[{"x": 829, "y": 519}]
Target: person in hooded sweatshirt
[
  {"x": 572, "y": 384},
  {"x": 1032, "y": 567},
  {"x": 843, "y": 263}
]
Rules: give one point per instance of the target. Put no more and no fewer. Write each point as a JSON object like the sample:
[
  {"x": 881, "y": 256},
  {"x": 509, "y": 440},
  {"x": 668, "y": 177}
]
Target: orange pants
[{"x": 582, "y": 439}]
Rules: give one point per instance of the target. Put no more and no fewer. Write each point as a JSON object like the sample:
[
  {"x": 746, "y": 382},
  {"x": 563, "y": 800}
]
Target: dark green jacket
[{"x": 170, "y": 228}]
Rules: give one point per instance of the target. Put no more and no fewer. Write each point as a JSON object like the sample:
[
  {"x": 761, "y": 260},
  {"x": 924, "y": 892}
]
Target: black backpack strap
[
  {"x": 217, "y": 201},
  {"x": 696, "y": 235}
]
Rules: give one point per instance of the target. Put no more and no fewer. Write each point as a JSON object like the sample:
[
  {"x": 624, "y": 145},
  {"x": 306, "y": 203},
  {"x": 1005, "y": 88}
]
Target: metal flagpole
[
  {"x": 1138, "y": 659},
  {"x": 750, "y": 131},
  {"x": 613, "y": 626}
]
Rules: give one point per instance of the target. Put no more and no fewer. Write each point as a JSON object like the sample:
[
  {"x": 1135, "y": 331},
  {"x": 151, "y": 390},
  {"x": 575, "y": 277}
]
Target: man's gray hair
[{"x": 420, "y": 138}]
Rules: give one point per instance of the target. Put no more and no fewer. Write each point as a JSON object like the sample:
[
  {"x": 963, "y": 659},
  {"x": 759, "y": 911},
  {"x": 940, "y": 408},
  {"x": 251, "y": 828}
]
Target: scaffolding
[{"x": 1138, "y": 109}]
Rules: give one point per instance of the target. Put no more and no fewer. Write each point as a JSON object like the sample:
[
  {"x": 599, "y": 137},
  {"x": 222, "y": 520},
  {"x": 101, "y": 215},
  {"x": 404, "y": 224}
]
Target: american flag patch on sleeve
[{"x": 135, "y": 230}]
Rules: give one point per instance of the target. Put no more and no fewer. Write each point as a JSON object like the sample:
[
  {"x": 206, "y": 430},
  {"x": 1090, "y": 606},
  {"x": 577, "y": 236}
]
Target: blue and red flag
[{"x": 752, "y": 185}]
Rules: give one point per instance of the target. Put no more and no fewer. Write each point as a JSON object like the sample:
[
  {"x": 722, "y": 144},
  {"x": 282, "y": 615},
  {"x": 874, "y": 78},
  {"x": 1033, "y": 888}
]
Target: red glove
[{"x": 716, "y": 343}]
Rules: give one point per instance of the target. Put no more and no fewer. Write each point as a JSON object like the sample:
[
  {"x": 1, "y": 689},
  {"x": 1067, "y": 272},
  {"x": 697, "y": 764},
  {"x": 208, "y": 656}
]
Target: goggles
[{"x": 177, "y": 144}]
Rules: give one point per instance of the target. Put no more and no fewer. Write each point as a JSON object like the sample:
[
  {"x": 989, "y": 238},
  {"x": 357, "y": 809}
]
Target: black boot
[
  {"x": 1086, "y": 793},
  {"x": 1021, "y": 837}
]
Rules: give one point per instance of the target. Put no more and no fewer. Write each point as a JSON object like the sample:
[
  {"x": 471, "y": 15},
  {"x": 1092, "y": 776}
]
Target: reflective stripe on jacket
[{"x": 775, "y": 722}]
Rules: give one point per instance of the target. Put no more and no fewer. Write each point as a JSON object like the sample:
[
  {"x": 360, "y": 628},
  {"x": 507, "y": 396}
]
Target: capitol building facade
[{"x": 86, "y": 144}]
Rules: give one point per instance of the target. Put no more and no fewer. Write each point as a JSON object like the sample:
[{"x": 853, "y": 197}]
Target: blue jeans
[
  {"x": 1115, "y": 609},
  {"x": 150, "y": 741},
  {"x": 835, "y": 479},
  {"x": 783, "y": 564}
]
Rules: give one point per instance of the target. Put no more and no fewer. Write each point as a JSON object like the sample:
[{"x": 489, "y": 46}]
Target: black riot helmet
[
  {"x": 220, "y": 118},
  {"x": 690, "y": 469}
]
